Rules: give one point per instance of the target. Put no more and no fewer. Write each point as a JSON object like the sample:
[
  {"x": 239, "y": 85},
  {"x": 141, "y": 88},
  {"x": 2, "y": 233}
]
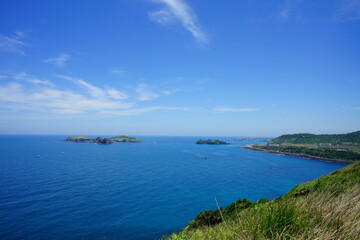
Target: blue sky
[{"x": 179, "y": 67}]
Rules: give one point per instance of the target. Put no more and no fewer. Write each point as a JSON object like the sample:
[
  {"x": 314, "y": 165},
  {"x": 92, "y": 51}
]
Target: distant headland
[
  {"x": 102, "y": 140},
  {"x": 254, "y": 139},
  {"x": 211, "y": 142},
  {"x": 342, "y": 148}
]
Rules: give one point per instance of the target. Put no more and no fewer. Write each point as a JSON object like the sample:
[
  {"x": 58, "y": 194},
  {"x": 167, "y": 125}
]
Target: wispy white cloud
[
  {"x": 336, "y": 10},
  {"x": 180, "y": 84},
  {"x": 162, "y": 16},
  {"x": 289, "y": 9},
  {"x": 179, "y": 10},
  {"x": 13, "y": 44},
  {"x": 96, "y": 91},
  {"x": 284, "y": 13},
  {"x": 116, "y": 94},
  {"x": 118, "y": 72},
  {"x": 143, "y": 110},
  {"x": 347, "y": 10},
  {"x": 38, "y": 81},
  {"x": 59, "y": 61},
  {"x": 167, "y": 92},
  {"x": 145, "y": 93},
  {"x": 16, "y": 96},
  {"x": 230, "y": 109},
  {"x": 68, "y": 78},
  {"x": 31, "y": 79},
  {"x": 3, "y": 77},
  {"x": 42, "y": 98}
]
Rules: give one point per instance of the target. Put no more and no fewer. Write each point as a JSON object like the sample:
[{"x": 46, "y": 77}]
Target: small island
[
  {"x": 212, "y": 142},
  {"x": 102, "y": 140}
]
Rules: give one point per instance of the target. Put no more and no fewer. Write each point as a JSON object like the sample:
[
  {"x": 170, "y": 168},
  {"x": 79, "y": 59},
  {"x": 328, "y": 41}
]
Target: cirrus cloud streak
[
  {"x": 16, "y": 96},
  {"x": 179, "y": 10},
  {"x": 229, "y": 109}
]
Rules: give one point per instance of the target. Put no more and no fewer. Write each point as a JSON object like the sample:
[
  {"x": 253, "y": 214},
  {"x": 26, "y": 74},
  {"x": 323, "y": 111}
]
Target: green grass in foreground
[{"x": 326, "y": 208}]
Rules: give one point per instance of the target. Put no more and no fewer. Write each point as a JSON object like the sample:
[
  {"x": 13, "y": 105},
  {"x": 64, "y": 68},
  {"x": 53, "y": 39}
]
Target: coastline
[
  {"x": 299, "y": 155},
  {"x": 317, "y": 199}
]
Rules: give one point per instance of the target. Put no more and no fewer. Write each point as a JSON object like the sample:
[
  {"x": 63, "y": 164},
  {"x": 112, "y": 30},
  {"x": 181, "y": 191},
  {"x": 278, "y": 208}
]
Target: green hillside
[
  {"x": 307, "y": 138},
  {"x": 326, "y": 208},
  {"x": 325, "y": 153},
  {"x": 124, "y": 138}
]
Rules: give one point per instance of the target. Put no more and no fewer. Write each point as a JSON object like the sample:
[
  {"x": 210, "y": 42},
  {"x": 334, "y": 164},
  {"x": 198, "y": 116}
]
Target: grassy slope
[
  {"x": 326, "y": 208},
  {"x": 325, "y": 153},
  {"x": 306, "y": 138},
  {"x": 124, "y": 138}
]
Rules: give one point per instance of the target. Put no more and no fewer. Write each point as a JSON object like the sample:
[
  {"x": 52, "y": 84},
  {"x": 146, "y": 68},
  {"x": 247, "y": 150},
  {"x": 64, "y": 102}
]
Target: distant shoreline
[
  {"x": 254, "y": 139},
  {"x": 299, "y": 155}
]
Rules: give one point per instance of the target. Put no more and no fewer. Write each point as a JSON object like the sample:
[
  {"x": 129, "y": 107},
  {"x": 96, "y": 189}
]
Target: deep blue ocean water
[{"x": 131, "y": 190}]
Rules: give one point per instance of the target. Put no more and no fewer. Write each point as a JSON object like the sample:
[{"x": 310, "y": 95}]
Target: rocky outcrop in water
[
  {"x": 101, "y": 140},
  {"x": 211, "y": 142}
]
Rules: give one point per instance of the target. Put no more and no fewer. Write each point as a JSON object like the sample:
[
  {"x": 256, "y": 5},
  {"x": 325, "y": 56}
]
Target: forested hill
[{"x": 307, "y": 138}]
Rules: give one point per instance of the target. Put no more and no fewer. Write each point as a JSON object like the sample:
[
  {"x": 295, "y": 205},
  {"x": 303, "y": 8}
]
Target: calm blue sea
[{"x": 131, "y": 190}]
